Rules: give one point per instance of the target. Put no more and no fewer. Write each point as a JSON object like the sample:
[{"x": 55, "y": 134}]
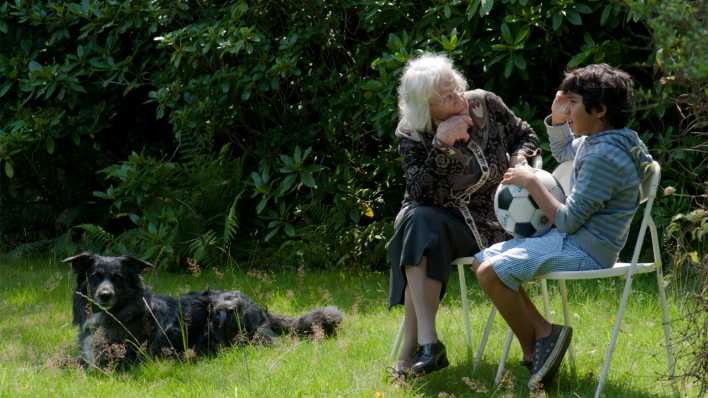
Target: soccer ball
[{"x": 518, "y": 213}]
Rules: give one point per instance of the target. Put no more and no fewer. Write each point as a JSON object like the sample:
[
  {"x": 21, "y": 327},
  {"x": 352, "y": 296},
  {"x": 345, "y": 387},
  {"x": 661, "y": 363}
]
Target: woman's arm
[
  {"x": 521, "y": 140},
  {"x": 430, "y": 170}
]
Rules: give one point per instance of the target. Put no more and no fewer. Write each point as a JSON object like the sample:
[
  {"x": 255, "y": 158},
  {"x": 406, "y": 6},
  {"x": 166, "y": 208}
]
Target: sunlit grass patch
[{"x": 38, "y": 341}]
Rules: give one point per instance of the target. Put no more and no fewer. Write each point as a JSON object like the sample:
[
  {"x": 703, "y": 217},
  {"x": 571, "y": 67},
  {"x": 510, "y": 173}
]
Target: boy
[{"x": 591, "y": 227}]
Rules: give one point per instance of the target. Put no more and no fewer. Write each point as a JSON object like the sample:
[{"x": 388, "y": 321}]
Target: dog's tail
[{"x": 318, "y": 323}]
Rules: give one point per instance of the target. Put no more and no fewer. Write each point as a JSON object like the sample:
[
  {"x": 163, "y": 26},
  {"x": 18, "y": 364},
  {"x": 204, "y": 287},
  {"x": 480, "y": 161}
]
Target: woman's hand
[
  {"x": 454, "y": 129},
  {"x": 521, "y": 176},
  {"x": 560, "y": 109}
]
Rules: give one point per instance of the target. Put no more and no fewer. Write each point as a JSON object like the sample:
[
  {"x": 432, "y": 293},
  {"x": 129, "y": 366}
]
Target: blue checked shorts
[{"x": 519, "y": 260}]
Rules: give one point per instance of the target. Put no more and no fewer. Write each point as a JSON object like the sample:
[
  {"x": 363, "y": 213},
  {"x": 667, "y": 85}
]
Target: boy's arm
[
  {"x": 596, "y": 179},
  {"x": 563, "y": 145},
  {"x": 525, "y": 177}
]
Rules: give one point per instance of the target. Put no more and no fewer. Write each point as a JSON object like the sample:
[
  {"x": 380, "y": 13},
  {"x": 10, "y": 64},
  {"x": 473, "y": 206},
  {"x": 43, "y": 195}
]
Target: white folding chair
[
  {"x": 620, "y": 269},
  {"x": 562, "y": 173}
]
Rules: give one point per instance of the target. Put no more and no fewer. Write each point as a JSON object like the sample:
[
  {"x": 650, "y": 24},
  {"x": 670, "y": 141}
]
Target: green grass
[{"x": 36, "y": 337}]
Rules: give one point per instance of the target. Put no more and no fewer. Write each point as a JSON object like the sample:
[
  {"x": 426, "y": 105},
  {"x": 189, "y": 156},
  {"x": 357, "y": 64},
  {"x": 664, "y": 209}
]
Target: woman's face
[{"x": 447, "y": 102}]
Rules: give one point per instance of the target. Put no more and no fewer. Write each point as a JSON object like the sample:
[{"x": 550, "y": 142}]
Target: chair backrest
[
  {"x": 647, "y": 192},
  {"x": 647, "y": 189},
  {"x": 650, "y": 181},
  {"x": 562, "y": 173}
]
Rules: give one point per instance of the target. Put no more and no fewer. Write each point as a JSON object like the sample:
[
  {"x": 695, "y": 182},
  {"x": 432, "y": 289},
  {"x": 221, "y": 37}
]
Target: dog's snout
[{"x": 105, "y": 293}]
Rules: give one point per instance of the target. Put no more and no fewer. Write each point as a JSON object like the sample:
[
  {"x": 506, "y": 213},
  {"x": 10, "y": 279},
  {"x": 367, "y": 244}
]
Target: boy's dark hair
[{"x": 601, "y": 84}]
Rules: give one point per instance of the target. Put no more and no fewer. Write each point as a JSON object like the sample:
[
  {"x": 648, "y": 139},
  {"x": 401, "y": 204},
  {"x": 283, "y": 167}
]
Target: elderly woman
[{"x": 455, "y": 146}]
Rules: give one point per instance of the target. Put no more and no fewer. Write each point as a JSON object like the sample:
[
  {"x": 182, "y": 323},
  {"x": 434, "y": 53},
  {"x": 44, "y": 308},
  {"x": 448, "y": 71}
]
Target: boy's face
[{"x": 582, "y": 122}]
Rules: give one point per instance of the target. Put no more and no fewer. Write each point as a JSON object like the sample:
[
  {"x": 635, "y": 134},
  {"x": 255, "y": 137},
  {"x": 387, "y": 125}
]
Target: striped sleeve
[
  {"x": 596, "y": 179},
  {"x": 563, "y": 146}
]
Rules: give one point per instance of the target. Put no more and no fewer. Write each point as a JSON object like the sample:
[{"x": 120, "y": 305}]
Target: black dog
[{"x": 120, "y": 321}]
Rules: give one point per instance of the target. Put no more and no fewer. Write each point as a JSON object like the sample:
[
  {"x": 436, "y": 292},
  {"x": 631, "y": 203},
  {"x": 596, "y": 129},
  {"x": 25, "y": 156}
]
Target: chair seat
[{"x": 619, "y": 269}]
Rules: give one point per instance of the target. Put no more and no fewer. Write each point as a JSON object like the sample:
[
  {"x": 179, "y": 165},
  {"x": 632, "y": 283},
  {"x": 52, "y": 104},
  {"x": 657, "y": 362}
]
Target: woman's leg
[
  {"x": 514, "y": 308},
  {"x": 410, "y": 331},
  {"x": 425, "y": 296}
]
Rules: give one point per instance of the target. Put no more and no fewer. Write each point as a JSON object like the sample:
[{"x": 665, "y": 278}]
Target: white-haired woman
[{"x": 455, "y": 146}]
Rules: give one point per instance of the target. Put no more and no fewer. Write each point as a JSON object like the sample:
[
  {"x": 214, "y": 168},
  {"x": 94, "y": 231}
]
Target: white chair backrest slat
[{"x": 650, "y": 181}]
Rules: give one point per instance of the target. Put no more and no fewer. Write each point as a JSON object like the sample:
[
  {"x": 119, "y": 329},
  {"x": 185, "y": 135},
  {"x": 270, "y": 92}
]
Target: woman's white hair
[{"x": 424, "y": 77}]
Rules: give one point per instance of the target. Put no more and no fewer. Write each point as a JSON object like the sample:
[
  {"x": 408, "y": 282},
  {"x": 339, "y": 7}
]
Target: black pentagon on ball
[
  {"x": 505, "y": 198},
  {"x": 524, "y": 229}
]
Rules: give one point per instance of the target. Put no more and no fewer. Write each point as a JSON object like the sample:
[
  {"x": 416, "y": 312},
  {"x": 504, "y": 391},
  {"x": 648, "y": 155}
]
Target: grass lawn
[{"x": 37, "y": 337}]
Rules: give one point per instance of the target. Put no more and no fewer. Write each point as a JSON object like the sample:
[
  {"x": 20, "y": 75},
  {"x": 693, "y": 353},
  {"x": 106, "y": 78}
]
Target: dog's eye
[{"x": 97, "y": 277}]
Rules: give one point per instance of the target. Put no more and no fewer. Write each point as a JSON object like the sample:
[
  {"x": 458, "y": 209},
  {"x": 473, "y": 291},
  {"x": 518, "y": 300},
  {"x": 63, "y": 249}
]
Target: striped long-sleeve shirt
[{"x": 606, "y": 176}]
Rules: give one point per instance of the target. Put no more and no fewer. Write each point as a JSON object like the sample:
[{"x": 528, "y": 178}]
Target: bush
[
  {"x": 677, "y": 107},
  {"x": 289, "y": 105}
]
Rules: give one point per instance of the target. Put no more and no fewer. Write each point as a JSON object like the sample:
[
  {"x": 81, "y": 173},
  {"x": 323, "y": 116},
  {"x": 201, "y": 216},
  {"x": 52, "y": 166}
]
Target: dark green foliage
[
  {"x": 676, "y": 108},
  {"x": 261, "y": 131}
]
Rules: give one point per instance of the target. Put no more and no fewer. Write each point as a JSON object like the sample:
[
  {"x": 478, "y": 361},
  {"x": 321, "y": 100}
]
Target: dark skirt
[{"x": 438, "y": 233}]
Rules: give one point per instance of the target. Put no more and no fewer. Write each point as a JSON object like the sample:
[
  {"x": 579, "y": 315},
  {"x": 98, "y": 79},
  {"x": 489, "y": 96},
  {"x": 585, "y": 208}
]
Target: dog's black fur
[{"x": 120, "y": 321}]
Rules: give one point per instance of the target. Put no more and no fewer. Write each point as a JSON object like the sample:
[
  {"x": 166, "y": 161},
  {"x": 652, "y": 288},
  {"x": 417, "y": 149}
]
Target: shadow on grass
[{"x": 458, "y": 381}]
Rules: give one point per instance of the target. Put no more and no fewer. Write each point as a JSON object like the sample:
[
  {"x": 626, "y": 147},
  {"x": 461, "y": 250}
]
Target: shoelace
[{"x": 537, "y": 349}]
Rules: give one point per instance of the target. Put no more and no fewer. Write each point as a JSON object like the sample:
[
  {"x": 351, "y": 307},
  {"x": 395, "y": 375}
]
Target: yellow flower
[{"x": 367, "y": 210}]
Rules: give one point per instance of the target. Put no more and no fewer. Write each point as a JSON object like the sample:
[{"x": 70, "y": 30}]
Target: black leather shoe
[{"x": 429, "y": 358}]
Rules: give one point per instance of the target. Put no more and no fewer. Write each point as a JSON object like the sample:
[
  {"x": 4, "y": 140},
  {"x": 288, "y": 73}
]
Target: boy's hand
[
  {"x": 518, "y": 160},
  {"x": 521, "y": 176},
  {"x": 454, "y": 129},
  {"x": 560, "y": 109}
]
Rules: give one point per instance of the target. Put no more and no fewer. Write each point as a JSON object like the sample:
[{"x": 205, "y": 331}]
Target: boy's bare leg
[
  {"x": 425, "y": 295},
  {"x": 410, "y": 331},
  {"x": 535, "y": 317},
  {"x": 514, "y": 308}
]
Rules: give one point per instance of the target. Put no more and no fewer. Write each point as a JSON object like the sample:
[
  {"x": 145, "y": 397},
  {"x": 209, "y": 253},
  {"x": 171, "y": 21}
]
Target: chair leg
[
  {"x": 397, "y": 343},
  {"x": 546, "y": 305},
  {"x": 483, "y": 341},
  {"x": 465, "y": 308},
  {"x": 615, "y": 333},
  {"x": 505, "y": 355},
  {"x": 665, "y": 322},
  {"x": 662, "y": 299},
  {"x": 566, "y": 319}
]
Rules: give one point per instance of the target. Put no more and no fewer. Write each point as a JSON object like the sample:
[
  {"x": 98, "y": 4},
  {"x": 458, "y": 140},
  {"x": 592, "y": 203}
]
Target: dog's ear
[
  {"x": 136, "y": 263},
  {"x": 81, "y": 262}
]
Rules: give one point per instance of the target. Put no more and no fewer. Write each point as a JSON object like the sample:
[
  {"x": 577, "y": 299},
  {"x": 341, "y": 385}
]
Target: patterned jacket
[{"x": 466, "y": 174}]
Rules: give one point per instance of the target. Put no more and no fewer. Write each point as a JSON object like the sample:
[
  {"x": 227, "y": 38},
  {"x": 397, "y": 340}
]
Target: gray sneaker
[{"x": 548, "y": 354}]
